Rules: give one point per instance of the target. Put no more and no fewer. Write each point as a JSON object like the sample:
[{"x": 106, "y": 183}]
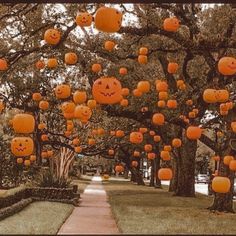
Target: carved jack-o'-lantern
[
  {"x": 62, "y": 91},
  {"x": 22, "y": 146},
  {"x": 68, "y": 107},
  {"x": 108, "y": 19},
  {"x": 227, "y": 66},
  {"x": 52, "y": 36},
  {"x": 23, "y": 123},
  {"x": 82, "y": 112},
  {"x": 107, "y": 90},
  {"x": 84, "y": 19},
  {"x": 136, "y": 137}
]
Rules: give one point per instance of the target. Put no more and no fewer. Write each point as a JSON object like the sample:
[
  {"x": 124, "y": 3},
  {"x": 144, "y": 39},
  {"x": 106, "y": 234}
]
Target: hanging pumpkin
[
  {"x": 3, "y": 64},
  {"x": 165, "y": 174},
  {"x": 167, "y": 148},
  {"x": 172, "y": 67},
  {"x": 176, "y": 142},
  {"x": 143, "y": 86},
  {"x": 125, "y": 92},
  {"x": 52, "y": 36},
  {"x": 78, "y": 149},
  {"x": 91, "y": 103},
  {"x": 119, "y": 168},
  {"x": 40, "y": 64},
  {"x": 143, "y": 51},
  {"x": 69, "y": 115},
  {"x": 163, "y": 95},
  {"x": 84, "y": 19},
  {"x": 44, "y": 137},
  {"x": 137, "y": 93},
  {"x": 111, "y": 152},
  {"x": 148, "y": 147},
  {"x": 62, "y": 91},
  {"x": 41, "y": 126},
  {"x": 91, "y": 141},
  {"x": 165, "y": 155},
  {"x": 136, "y": 154},
  {"x": 171, "y": 24},
  {"x": 23, "y": 123},
  {"x": 210, "y": 96},
  {"x": 221, "y": 184},
  {"x": 27, "y": 163},
  {"x": 134, "y": 164},
  {"x": 43, "y": 105},
  {"x": 151, "y": 156},
  {"x": 120, "y": 133},
  {"x": 71, "y": 58},
  {"x": 136, "y": 137},
  {"x": 82, "y": 112},
  {"x": 96, "y": 68},
  {"x": 222, "y": 95},
  {"x": 157, "y": 138},
  {"x": 68, "y": 107},
  {"x": 162, "y": 86},
  {"x": 107, "y": 90},
  {"x": 143, "y": 130},
  {"x": 108, "y": 19},
  {"x": 227, "y": 66},
  {"x": 124, "y": 102},
  {"x": 227, "y": 160},
  {"x": 22, "y": 146},
  {"x": 52, "y": 63},
  {"x": 158, "y": 119},
  {"x": 172, "y": 104},
  {"x": 19, "y": 160},
  {"x": 32, "y": 158},
  {"x": 142, "y": 59},
  {"x": 109, "y": 45},
  {"x": 37, "y": 97},
  {"x": 123, "y": 71},
  {"x": 232, "y": 165},
  {"x": 193, "y": 132}
]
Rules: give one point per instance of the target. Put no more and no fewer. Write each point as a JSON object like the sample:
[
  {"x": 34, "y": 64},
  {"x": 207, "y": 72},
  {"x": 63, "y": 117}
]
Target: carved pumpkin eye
[
  {"x": 100, "y": 82},
  {"x": 117, "y": 12},
  {"x": 26, "y": 140},
  {"x": 115, "y": 83}
]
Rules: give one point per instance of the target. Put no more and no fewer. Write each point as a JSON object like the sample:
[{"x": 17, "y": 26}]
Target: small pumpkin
[
  {"x": 76, "y": 141},
  {"x": 163, "y": 95},
  {"x": 143, "y": 130},
  {"x": 172, "y": 104},
  {"x": 68, "y": 107},
  {"x": 162, "y": 86},
  {"x": 136, "y": 137},
  {"x": 84, "y": 19},
  {"x": 52, "y": 36},
  {"x": 119, "y": 168},
  {"x": 37, "y": 97},
  {"x": 143, "y": 51},
  {"x": 52, "y": 63},
  {"x": 71, "y": 58},
  {"x": 158, "y": 119},
  {"x": 171, "y": 24},
  {"x": 62, "y": 91},
  {"x": 124, "y": 102},
  {"x": 123, "y": 71},
  {"x": 221, "y": 184},
  {"x": 44, "y": 137},
  {"x": 27, "y": 163},
  {"x": 143, "y": 86},
  {"x": 151, "y": 156},
  {"x": 125, "y": 92},
  {"x": 136, "y": 154},
  {"x": 193, "y": 132},
  {"x": 109, "y": 45},
  {"x": 161, "y": 103},
  {"x": 82, "y": 112},
  {"x": 210, "y": 96},
  {"x": 142, "y": 59},
  {"x": 165, "y": 174},
  {"x": 40, "y": 64},
  {"x": 96, "y": 68},
  {"x": 111, "y": 152},
  {"x": 3, "y": 64},
  {"x": 176, "y": 142},
  {"x": 156, "y": 138},
  {"x": 165, "y": 155},
  {"x": 137, "y": 93},
  {"x": 227, "y": 65},
  {"x": 32, "y": 158},
  {"x": 120, "y": 133},
  {"x": 172, "y": 67},
  {"x": 43, "y": 105},
  {"x": 91, "y": 103},
  {"x": 148, "y": 147},
  {"x": 232, "y": 165},
  {"x": 78, "y": 149},
  {"x": 227, "y": 160},
  {"x": 41, "y": 126},
  {"x": 134, "y": 164}
]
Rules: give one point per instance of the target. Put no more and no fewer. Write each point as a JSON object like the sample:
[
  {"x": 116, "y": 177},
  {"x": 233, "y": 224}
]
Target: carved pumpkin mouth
[
  {"x": 20, "y": 149},
  {"x": 107, "y": 94},
  {"x": 232, "y": 67},
  {"x": 84, "y": 21},
  {"x": 53, "y": 37},
  {"x": 59, "y": 92}
]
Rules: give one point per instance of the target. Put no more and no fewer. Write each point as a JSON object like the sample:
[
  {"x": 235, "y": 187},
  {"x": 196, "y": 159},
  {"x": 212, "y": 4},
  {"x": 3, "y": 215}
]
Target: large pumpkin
[
  {"x": 82, "y": 112},
  {"x": 62, "y": 91},
  {"x": 193, "y": 132},
  {"x": 136, "y": 137},
  {"x": 108, "y": 19},
  {"x": 158, "y": 119},
  {"x": 22, "y": 146},
  {"x": 84, "y": 19},
  {"x": 227, "y": 66},
  {"x": 107, "y": 90},
  {"x": 221, "y": 184},
  {"x": 165, "y": 174},
  {"x": 23, "y": 123},
  {"x": 171, "y": 24},
  {"x": 52, "y": 36}
]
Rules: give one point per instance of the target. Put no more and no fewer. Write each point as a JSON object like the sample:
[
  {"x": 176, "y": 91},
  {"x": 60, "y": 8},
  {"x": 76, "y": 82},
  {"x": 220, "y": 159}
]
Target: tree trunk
[
  {"x": 158, "y": 166},
  {"x": 186, "y": 168},
  {"x": 126, "y": 173},
  {"x": 174, "y": 180},
  {"x": 151, "y": 184}
]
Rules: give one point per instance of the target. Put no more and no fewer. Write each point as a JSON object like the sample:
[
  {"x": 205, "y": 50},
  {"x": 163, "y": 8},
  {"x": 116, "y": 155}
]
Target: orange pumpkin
[
  {"x": 124, "y": 102},
  {"x": 32, "y": 158},
  {"x": 82, "y": 112},
  {"x": 162, "y": 86},
  {"x": 157, "y": 138},
  {"x": 148, "y": 147},
  {"x": 107, "y": 90},
  {"x": 68, "y": 107},
  {"x": 109, "y": 45},
  {"x": 91, "y": 104},
  {"x": 62, "y": 91},
  {"x": 52, "y": 63},
  {"x": 179, "y": 83},
  {"x": 136, "y": 154},
  {"x": 163, "y": 95},
  {"x": 143, "y": 51},
  {"x": 44, "y": 137},
  {"x": 165, "y": 155},
  {"x": 193, "y": 132},
  {"x": 119, "y": 168},
  {"x": 79, "y": 97},
  {"x": 71, "y": 58},
  {"x": 191, "y": 114},
  {"x": 78, "y": 149},
  {"x": 136, "y": 137},
  {"x": 96, "y": 68},
  {"x": 158, "y": 119},
  {"x": 221, "y": 184},
  {"x": 210, "y": 96},
  {"x": 84, "y": 19},
  {"x": 125, "y": 92},
  {"x": 52, "y": 36},
  {"x": 43, "y": 105},
  {"x": 111, "y": 152},
  {"x": 23, "y": 123},
  {"x": 171, "y": 24},
  {"x": 76, "y": 141},
  {"x": 69, "y": 115},
  {"x": 143, "y": 130},
  {"x": 227, "y": 160},
  {"x": 22, "y": 146},
  {"x": 37, "y": 97},
  {"x": 232, "y": 165},
  {"x": 167, "y": 148},
  {"x": 189, "y": 102},
  {"x": 152, "y": 132},
  {"x": 227, "y": 66},
  {"x": 108, "y": 19},
  {"x": 142, "y": 59},
  {"x": 143, "y": 86},
  {"x": 91, "y": 141},
  {"x": 222, "y": 95},
  {"x": 19, "y": 160},
  {"x": 120, "y": 133},
  {"x": 172, "y": 104},
  {"x": 176, "y": 142},
  {"x": 134, "y": 164},
  {"x": 151, "y": 156},
  {"x": 161, "y": 103},
  {"x": 165, "y": 174},
  {"x": 112, "y": 133},
  {"x": 67, "y": 133},
  {"x": 172, "y": 67},
  {"x": 41, "y": 126},
  {"x": 137, "y": 93},
  {"x": 3, "y": 64},
  {"x": 40, "y": 64},
  {"x": 233, "y": 126},
  {"x": 123, "y": 71},
  {"x": 27, "y": 162},
  {"x": 69, "y": 127},
  {"x": 100, "y": 131}
]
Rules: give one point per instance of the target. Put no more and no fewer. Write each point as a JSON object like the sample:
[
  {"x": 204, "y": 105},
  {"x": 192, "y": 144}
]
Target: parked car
[{"x": 202, "y": 178}]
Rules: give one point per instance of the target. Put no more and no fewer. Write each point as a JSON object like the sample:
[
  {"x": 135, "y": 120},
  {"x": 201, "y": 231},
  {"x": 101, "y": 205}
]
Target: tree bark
[
  {"x": 151, "y": 184},
  {"x": 174, "y": 180},
  {"x": 158, "y": 166}
]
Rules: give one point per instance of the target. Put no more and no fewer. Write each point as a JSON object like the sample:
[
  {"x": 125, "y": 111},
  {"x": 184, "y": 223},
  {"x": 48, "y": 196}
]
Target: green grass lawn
[
  {"x": 37, "y": 218},
  {"x": 145, "y": 210}
]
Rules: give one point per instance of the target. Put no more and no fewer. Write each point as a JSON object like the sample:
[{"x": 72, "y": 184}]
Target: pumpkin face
[
  {"x": 107, "y": 90},
  {"x": 22, "y": 146},
  {"x": 40, "y": 64},
  {"x": 43, "y": 105},
  {"x": 68, "y": 107},
  {"x": 176, "y": 142},
  {"x": 82, "y": 112},
  {"x": 79, "y": 97},
  {"x": 52, "y": 36},
  {"x": 62, "y": 91},
  {"x": 136, "y": 137},
  {"x": 221, "y": 184},
  {"x": 3, "y": 64},
  {"x": 165, "y": 174},
  {"x": 84, "y": 19},
  {"x": 37, "y": 97},
  {"x": 227, "y": 66},
  {"x": 23, "y": 123},
  {"x": 71, "y": 58},
  {"x": 108, "y": 19},
  {"x": 171, "y": 24}
]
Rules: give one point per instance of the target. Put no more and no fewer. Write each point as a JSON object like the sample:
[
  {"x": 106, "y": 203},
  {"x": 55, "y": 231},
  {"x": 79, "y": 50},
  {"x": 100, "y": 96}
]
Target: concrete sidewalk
[{"x": 93, "y": 216}]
